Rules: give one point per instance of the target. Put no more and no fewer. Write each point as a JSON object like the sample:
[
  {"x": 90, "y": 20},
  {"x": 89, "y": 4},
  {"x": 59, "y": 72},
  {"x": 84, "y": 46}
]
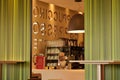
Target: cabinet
[
  {"x": 69, "y": 47},
  {"x": 78, "y": 54},
  {"x": 52, "y": 56}
]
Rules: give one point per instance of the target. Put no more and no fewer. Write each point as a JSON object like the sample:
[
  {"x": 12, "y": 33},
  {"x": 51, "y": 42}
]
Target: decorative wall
[
  {"x": 49, "y": 22},
  {"x": 15, "y": 38},
  {"x": 102, "y": 26}
]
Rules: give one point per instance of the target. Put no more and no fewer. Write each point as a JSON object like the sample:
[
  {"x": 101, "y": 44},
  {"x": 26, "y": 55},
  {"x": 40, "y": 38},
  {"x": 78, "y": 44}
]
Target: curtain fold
[
  {"x": 102, "y": 21},
  {"x": 15, "y": 20}
]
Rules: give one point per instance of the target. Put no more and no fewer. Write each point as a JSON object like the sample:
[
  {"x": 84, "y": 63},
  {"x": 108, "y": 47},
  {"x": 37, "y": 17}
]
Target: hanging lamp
[{"x": 76, "y": 24}]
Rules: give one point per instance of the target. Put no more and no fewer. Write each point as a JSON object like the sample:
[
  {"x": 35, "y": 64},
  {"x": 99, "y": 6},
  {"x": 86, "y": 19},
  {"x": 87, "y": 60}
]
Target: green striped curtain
[
  {"x": 15, "y": 27},
  {"x": 102, "y": 40}
]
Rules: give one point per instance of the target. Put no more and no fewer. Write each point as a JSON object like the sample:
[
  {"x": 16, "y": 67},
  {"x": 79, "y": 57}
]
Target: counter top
[
  {"x": 59, "y": 74},
  {"x": 96, "y": 61},
  {"x": 100, "y": 65}
]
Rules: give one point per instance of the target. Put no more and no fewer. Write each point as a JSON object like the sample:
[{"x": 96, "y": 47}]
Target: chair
[{"x": 35, "y": 76}]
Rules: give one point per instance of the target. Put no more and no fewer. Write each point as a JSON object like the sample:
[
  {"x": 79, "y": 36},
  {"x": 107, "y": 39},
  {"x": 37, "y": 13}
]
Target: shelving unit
[
  {"x": 54, "y": 47},
  {"x": 52, "y": 55},
  {"x": 78, "y": 54},
  {"x": 69, "y": 47}
]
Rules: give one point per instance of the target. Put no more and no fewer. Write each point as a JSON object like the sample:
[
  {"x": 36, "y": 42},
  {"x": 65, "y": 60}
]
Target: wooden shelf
[{"x": 11, "y": 62}]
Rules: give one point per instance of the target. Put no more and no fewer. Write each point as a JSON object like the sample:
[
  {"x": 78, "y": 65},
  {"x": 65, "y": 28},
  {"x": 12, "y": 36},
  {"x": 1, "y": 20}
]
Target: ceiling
[{"x": 70, "y": 4}]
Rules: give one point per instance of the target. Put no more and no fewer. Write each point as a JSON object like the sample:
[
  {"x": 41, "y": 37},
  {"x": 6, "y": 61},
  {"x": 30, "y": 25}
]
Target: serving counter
[{"x": 58, "y": 74}]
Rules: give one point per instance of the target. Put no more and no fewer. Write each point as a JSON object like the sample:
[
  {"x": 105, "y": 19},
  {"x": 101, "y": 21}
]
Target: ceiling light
[
  {"x": 78, "y": 0},
  {"x": 76, "y": 24}
]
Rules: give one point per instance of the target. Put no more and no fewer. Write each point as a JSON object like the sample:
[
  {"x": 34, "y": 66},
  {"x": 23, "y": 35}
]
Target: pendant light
[
  {"x": 76, "y": 24},
  {"x": 78, "y": 0}
]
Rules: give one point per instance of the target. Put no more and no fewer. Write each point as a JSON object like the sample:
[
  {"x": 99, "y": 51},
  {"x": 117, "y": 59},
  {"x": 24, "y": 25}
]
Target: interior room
[
  {"x": 59, "y": 40},
  {"x": 50, "y": 38}
]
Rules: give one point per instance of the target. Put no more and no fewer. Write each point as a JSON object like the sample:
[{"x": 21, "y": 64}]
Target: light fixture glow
[
  {"x": 76, "y": 31},
  {"x": 76, "y": 24}
]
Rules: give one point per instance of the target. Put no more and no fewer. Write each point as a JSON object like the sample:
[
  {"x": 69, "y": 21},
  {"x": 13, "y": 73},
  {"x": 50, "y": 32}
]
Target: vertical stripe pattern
[
  {"x": 102, "y": 40},
  {"x": 15, "y": 27}
]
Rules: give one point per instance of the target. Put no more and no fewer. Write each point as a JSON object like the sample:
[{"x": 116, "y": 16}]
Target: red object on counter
[{"x": 40, "y": 62}]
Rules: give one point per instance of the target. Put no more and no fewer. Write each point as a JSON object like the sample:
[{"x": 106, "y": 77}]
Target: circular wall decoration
[
  {"x": 50, "y": 15},
  {"x": 42, "y": 29},
  {"x": 35, "y": 11},
  {"x": 49, "y": 30},
  {"x": 55, "y": 16},
  {"x": 68, "y": 18},
  {"x": 35, "y": 27}
]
